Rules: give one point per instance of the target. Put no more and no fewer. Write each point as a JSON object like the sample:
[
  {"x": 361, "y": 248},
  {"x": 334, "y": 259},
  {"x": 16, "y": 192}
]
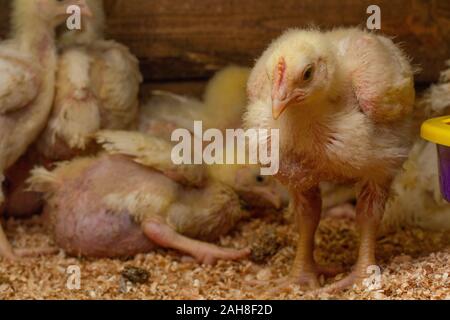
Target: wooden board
[{"x": 190, "y": 39}]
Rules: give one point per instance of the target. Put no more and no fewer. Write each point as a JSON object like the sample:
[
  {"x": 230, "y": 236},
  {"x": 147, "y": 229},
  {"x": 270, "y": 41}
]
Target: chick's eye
[
  {"x": 260, "y": 179},
  {"x": 308, "y": 73}
]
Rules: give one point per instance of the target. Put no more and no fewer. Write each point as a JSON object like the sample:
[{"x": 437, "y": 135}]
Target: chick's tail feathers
[
  {"x": 42, "y": 180},
  {"x": 46, "y": 181}
]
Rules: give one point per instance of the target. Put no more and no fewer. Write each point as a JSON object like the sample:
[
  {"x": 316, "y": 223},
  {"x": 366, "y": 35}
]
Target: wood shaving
[{"x": 415, "y": 265}]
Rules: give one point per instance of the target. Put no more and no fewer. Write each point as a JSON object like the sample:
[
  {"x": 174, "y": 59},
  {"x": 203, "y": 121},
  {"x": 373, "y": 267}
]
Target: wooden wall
[{"x": 185, "y": 41}]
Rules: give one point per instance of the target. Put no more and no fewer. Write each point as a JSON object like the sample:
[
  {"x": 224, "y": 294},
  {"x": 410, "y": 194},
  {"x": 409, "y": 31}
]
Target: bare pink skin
[{"x": 99, "y": 234}]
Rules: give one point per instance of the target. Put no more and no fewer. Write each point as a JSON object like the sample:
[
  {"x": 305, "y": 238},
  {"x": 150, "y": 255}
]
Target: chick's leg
[
  {"x": 203, "y": 252},
  {"x": 5, "y": 248},
  {"x": 369, "y": 213},
  {"x": 307, "y": 207}
]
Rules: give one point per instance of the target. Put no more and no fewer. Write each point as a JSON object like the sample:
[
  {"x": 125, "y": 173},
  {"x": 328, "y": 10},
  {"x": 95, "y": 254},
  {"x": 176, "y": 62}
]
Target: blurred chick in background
[
  {"x": 97, "y": 86},
  {"x": 223, "y": 105},
  {"x": 222, "y": 108},
  {"x": 28, "y": 63}
]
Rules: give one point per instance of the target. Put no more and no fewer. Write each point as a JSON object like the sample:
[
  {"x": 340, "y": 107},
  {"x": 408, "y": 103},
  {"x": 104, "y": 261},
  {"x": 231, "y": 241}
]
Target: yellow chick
[
  {"x": 223, "y": 104},
  {"x": 28, "y": 63}
]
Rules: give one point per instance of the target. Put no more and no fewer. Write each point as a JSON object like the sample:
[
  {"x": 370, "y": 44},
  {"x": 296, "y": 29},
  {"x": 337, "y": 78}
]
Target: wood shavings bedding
[{"x": 415, "y": 265}]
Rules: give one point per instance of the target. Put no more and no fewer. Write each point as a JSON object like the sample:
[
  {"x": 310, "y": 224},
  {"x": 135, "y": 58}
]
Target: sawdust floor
[{"x": 415, "y": 264}]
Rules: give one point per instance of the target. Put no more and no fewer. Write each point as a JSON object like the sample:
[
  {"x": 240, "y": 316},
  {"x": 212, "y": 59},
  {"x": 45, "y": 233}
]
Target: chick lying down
[
  {"x": 114, "y": 207},
  {"x": 127, "y": 201}
]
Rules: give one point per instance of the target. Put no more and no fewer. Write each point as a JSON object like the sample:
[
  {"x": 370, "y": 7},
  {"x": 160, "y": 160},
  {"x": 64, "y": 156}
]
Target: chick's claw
[
  {"x": 271, "y": 288},
  {"x": 355, "y": 278}
]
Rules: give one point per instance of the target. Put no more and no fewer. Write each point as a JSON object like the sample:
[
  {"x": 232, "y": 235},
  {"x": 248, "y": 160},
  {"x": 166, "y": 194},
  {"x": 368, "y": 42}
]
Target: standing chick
[
  {"x": 342, "y": 101},
  {"x": 97, "y": 87},
  {"x": 114, "y": 206},
  {"x": 27, "y": 79}
]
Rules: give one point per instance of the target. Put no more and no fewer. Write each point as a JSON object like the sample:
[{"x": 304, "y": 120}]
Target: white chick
[
  {"x": 97, "y": 87},
  {"x": 342, "y": 101},
  {"x": 28, "y": 64}
]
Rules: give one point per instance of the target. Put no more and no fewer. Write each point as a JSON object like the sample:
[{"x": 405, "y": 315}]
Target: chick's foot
[
  {"x": 6, "y": 250},
  {"x": 369, "y": 212},
  {"x": 306, "y": 280},
  {"x": 35, "y": 252},
  {"x": 367, "y": 276},
  {"x": 203, "y": 252}
]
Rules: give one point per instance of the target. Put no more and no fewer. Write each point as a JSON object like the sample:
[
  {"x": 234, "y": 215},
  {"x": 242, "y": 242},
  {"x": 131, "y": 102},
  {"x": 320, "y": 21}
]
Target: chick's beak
[
  {"x": 278, "y": 107},
  {"x": 268, "y": 196}
]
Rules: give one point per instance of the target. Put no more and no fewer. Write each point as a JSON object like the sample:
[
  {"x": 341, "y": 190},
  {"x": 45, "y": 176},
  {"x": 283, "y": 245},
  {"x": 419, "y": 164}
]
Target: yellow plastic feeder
[{"x": 437, "y": 130}]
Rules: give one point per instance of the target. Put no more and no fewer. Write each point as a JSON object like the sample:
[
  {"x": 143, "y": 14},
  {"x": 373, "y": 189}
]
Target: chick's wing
[
  {"x": 152, "y": 152},
  {"x": 19, "y": 82}
]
